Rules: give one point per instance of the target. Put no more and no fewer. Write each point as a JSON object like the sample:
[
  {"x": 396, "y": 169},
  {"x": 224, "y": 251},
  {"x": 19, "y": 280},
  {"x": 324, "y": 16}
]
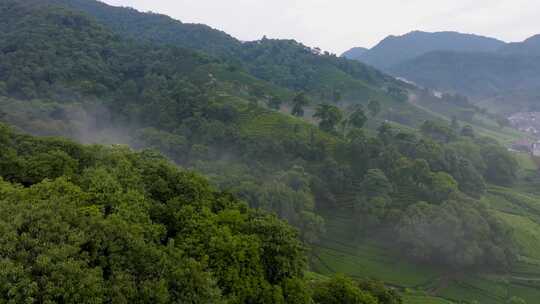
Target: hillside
[
  {"x": 155, "y": 28},
  {"x": 298, "y": 67},
  {"x": 95, "y": 224},
  {"x": 422, "y": 188},
  {"x": 492, "y": 73},
  {"x": 354, "y": 53},
  {"x": 479, "y": 75},
  {"x": 529, "y": 47},
  {"x": 394, "y": 50}
]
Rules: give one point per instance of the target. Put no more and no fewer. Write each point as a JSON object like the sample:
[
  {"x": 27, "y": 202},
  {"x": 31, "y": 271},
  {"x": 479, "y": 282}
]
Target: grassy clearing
[
  {"x": 340, "y": 252},
  {"x": 526, "y": 233},
  {"x": 525, "y": 161}
]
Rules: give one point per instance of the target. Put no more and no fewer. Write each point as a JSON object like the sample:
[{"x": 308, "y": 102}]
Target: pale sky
[{"x": 337, "y": 25}]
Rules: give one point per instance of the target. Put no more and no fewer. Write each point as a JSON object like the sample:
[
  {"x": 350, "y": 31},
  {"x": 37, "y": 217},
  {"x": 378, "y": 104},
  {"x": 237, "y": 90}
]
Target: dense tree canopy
[
  {"x": 98, "y": 224},
  {"x": 195, "y": 110}
]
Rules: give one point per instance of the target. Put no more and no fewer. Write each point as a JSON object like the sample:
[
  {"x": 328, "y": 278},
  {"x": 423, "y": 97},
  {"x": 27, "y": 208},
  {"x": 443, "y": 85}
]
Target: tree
[
  {"x": 341, "y": 290},
  {"x": 299, "y": 102},
  {"x": 376, "y": 184},
  {"x": 374, "y": 107},
  {"x": 358, "y": 118},
  {"x": 441, "y": 186},
  {"x": 398, "y": 93},
  {"x": 438, "y": 131},
  {"x": 501, "y": 166},
  {"x": 383, "y": 294},
  {"x": 329, "y": 116}
]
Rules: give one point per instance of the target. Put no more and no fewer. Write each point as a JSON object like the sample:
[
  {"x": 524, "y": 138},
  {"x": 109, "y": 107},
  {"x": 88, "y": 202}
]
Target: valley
[{"x": 147, "y": 160}]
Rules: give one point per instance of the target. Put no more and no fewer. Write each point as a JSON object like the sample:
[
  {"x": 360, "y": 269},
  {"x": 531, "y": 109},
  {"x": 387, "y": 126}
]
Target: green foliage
[
  {"x": 436, "y": 233},
  {"x": 501, "y": 165},
  {"x": 205, "y": 113},
  {"x": 358, "y": 118},
  {"x": 341, "y": 290},
  {"x": 438, "y": 131},
  {"x": 474, "y": 74},
  {"x": 329, "y": 116},
  {"x": 105, "y": 224},
  {"x": 299, "y": 102}
]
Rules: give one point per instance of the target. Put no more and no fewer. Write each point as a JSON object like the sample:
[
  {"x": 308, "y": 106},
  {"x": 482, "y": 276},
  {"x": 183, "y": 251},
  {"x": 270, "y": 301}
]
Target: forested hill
[
  {"x": 478, "y": 75},
  {"x": 91, "y": 224},
  {"x": 493, "y": 73},
  {"x": 354, "y": 53},
  {"x": 282, "y": 62},
  {"x": 394, "y": 50},
  {"x": 155, "y": 28},
  {"x": 530, "y": 47},
  {"x": 422, "y": 194}
]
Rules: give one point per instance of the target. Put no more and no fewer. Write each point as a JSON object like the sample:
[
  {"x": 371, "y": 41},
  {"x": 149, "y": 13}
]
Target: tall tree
[
  {"x": 329, "y": 115},
  {"x": 358, "y": 118},
  {"x": 299, "y": 102}
]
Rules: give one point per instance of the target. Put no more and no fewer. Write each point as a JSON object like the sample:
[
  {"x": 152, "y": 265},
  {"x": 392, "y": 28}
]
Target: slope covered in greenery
[
  {"x": 90, "y": 224},
  {"x": 478, "y": 75},
  {"x": 354, "y": 53},
  {"x": 155, "y": 28},
  {"x": 95, "y": 224},
  {"x": 424, "y": 188},
  {"x": 188, "y": 106},
  {"x": 530, "y": 47},
  {"x": 394, "y": 50},
  {"x": 286, "y": 63}
]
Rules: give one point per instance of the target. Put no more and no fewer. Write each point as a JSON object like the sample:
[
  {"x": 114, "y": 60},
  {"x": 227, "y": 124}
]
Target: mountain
[
  {"x": 281, "y": 62},
  {"x": 497, "y": 79},
  {"x": 152, "y": 27},
  {"x": 396, "y": 49},
  {"x": 365, "y": 184},
  {"x": 479, "y": 75},
  {"x": 354, "y": 53},
  {"x": 529, "y": 47}
]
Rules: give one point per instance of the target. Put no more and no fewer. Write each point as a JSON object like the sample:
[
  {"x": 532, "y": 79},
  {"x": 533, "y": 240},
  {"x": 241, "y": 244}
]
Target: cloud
[{"x": 337, "y": 25}]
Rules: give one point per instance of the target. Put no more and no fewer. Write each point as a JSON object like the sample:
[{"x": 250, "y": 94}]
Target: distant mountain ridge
[
  {"x": 354, "y": 53},
  {"x": 396, "y": 49},
  {"x": 153, "y": 27},
  {"x": 281, "y": 62},
  {"x": 476, "y": 74},
  {"x": 480, "y": 67},
  {"x": 530, "y": 47}
]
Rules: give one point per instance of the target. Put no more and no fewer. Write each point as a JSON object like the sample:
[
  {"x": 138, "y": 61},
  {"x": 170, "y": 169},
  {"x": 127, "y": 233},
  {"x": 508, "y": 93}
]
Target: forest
[{"x": 218, "y": 169}]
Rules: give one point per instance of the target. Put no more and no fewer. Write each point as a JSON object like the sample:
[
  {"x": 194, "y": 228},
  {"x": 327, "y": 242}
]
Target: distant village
[{"x": 528, "y": 122}]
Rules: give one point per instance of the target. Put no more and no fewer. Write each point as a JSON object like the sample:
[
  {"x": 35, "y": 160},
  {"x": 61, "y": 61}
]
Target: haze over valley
[{"x": 144, "y": 159}]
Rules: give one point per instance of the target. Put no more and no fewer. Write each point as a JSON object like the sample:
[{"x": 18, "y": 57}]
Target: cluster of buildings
[
  {"x": 525, "y": 145},
  {"x": 528, "y": 122}
]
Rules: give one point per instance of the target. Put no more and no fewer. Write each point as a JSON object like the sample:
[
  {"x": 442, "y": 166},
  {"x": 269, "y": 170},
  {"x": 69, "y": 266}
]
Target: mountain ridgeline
[
  {"x": 288, "y": 138},
  {"x": 397, "y": 49},
  {"x": 479, "y": 67},
  {"x": 297, "y": 67},
  {"x": 354, "y": 53}
]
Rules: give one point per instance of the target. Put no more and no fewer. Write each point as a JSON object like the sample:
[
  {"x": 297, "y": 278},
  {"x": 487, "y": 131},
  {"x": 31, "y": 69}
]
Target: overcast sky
[{"x": 337, "y": 25}]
